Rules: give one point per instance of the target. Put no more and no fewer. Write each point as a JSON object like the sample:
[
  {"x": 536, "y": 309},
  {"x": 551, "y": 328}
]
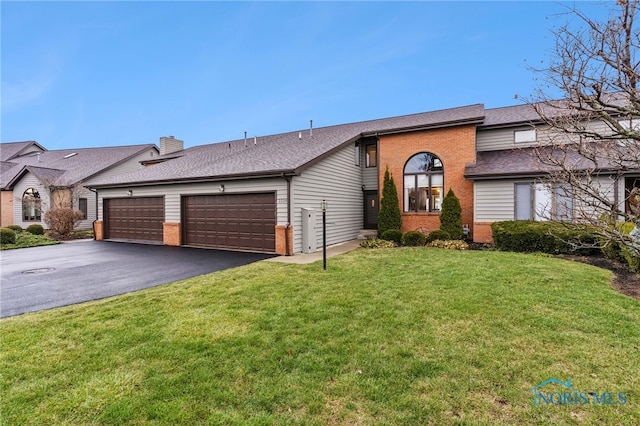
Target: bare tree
[{"x": 590, "y": 141}]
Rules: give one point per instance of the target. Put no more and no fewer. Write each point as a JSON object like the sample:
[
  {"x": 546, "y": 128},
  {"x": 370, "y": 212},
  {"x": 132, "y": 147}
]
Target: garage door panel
[
  {"x": 233, "y": 221},
  {"x": 134, "y": 218}
]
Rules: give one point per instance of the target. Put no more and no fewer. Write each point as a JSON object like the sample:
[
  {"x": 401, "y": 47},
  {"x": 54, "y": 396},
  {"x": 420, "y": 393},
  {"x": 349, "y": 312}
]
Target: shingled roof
[
  {"x": 526, "y": 162},
  {"x": 66, "y": 167},
  {"x": 285, "y": 153},
  {"x": 9, "y": 150}
]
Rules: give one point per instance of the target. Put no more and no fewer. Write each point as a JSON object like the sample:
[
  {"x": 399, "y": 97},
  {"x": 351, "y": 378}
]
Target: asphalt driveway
[{"x": 47, "y": 277}]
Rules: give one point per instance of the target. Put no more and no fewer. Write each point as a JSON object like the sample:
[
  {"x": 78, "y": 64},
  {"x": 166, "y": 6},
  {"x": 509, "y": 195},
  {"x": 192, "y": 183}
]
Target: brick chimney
[{"x": 169, "y": 144}]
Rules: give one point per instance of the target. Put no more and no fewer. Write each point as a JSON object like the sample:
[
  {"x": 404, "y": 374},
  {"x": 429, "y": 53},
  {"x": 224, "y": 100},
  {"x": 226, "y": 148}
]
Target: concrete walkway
[{"x": 305, "y": 258}]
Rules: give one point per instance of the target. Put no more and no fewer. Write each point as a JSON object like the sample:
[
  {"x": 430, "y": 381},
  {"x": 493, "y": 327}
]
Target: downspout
[
  {"x": 93, "y": 224},
  {"x": 286, "y": 229}
]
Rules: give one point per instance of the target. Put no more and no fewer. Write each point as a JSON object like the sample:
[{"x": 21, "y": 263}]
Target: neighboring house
[
  {"x": 265, "y": 193},
  {"x": 35, "y": 179},
  {"x": 507, "y": 172}
]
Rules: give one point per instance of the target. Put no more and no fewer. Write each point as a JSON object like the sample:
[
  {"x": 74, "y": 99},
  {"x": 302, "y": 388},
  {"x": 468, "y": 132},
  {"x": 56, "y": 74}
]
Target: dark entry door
[{"x": 370, "y": 209}]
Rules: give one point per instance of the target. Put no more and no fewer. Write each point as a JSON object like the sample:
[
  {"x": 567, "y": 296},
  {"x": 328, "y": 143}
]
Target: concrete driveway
[{"x": 47, "y": 277}]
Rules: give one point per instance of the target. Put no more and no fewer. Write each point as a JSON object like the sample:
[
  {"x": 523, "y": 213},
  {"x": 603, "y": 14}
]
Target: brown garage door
[
  {"x": 134, "y": 218},
  {"x": 230, "y": 221}
]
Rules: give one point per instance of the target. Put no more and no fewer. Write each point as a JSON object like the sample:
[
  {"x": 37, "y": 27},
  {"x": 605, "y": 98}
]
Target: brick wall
[
  {"x": 455, "y": 146},
  {"x": 98, "y": 230},
  {"x": 6, "y": 208},
  {"x": 482, "y": 232},
  {"x": 281, "y": 241},
  {"x": 171, "y": 234}
]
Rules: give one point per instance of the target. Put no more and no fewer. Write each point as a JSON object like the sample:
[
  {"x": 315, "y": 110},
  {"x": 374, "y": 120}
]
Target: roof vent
[
  {"x": 311, "y": 128},
  {"x": 73, "y": 154}
]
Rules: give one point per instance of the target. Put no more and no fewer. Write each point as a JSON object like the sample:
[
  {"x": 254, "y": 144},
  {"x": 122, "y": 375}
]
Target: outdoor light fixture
[
  {"x": 221, "y": 188},
  {"x": 129, "y": 192}
]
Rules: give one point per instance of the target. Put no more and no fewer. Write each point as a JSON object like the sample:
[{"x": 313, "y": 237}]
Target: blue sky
[{"x": 82, "y": 74}]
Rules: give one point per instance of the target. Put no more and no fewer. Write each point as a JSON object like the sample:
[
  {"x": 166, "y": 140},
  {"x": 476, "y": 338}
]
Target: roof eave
[
  {"x": 466, "y": 121},
  {"x": 218, "y": 178}
]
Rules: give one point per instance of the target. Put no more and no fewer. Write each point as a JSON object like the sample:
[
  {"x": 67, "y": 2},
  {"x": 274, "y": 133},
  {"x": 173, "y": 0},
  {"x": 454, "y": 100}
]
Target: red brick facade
[
  {"x": 282, "y": 238},
  {"x": 171, "y": 233},
  {"x": 455, "y": 146}
]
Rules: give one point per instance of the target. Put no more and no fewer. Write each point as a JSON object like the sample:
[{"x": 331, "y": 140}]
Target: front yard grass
[{"x": 391, "y": 336}]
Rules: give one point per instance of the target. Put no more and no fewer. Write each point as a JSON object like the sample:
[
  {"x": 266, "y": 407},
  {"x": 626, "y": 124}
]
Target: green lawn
[{"x": 394, "y": 336}]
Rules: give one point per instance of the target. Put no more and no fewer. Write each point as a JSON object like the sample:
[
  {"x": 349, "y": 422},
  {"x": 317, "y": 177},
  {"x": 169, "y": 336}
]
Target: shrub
[
  {"x": 451, "y": 216},
  {"x": 612, "y": 249},
  {"x": 374, "y": 243},
  {"x": 7, "y": 236},
  {"x": 633, "y": 261},
  {"x": 545, "y": 237},
  {"x": 389, "y": 215},
  {"x": 35, "y": 229},
  {"x": 394, "y": 235},
  {"x": 450, "y": 244},
  {"x": 438, "y": 234},
  {"x": 413, "y": 239},
  {"x": 63, "y": 220},
  {"x": 16, "y": 228}
]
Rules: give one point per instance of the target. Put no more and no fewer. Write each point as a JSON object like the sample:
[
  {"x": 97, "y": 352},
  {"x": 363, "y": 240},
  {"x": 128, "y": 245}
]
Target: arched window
[
  {"x": 31, "y": 205},
  {"x": 423, "y": 183}
]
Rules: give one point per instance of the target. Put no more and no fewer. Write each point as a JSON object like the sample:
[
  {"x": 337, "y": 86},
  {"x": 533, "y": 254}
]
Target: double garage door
[
  {"x": 228, "y": 221},
  {"x": 233, "y": 221}
]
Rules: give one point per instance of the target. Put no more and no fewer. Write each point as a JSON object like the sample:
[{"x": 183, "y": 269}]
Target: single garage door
[
  {"x": 134, "y": 218},
  {"x": 230, "y": 221}
]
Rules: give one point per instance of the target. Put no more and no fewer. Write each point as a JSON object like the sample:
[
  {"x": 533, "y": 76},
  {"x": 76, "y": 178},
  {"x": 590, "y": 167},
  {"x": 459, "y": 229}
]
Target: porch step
[{"x": 366, "y": 234}]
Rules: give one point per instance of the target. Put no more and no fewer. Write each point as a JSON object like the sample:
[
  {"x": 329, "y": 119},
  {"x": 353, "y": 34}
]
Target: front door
[{"x": 370, "y": 209}]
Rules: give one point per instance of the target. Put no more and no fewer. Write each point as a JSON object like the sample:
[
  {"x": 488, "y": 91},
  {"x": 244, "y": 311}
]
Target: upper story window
[
  {"x": 31, "y": 205},
  {"x": 524, "y": 136},
  {"x": 423, "y": 183},
  {"x": 371, "y": 155}
]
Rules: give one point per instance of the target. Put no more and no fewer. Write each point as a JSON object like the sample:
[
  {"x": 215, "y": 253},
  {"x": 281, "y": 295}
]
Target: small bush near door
[
  {"x": 413, "y": 239},
  {"x": 438, "y": 234},
  {"x": 394, "y": 235}
]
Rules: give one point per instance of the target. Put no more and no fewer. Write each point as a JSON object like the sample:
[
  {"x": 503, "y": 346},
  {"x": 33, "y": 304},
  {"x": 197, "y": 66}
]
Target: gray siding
[
  {"x": 497, "y": 139},
  {"x": 338, "y": 180},
  {"x": 91, "y": 207},
  {"x": 129, "y": 165},
  {"x": 494, "y": 200}
]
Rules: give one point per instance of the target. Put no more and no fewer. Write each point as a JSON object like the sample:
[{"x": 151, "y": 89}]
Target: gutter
[
  {"x": 93, "y": 224},
  {"x": 195, "y": 180}
]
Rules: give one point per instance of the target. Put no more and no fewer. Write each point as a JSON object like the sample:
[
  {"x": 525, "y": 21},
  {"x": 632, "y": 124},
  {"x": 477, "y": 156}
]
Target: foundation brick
[
  {"x": 171, "y": 234},
  {"x": 482, "y": 232},
  {"x": 281, "y": 241},
  {"x": 98, "y": 230}
]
